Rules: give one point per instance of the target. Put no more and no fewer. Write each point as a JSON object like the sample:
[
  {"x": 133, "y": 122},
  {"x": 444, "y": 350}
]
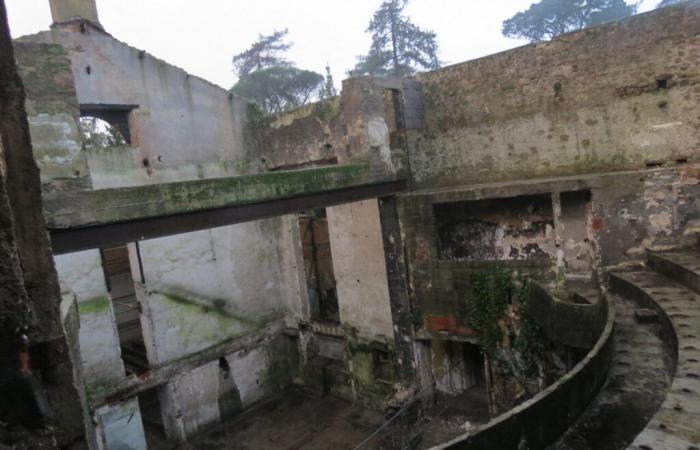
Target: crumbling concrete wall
[
  {"x": 82, "y": 276},
  {"x": 193, "y": 401},
  {"x": 312, "y": 135},
  {"x": 53, "y": 111},
  {"x": 607, "y": 98},
  {"x": 196, "y": 290},
  {"x": 639, "y": 211},
  {"x": 205, "y": 287},
  {"x": 363, "y": 296},
  {"x": 182, "y": 127},
  {"x": 361, "y": 125}
]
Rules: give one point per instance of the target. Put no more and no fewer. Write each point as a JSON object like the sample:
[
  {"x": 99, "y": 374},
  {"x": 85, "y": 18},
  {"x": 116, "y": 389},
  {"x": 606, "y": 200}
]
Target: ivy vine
[
  {"x": 492, "y": 292},
  {"x": 486, "y": 306}
]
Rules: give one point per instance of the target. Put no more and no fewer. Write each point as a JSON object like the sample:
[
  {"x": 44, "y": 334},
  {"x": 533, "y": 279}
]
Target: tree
[
  {"x": 550, "y": 18},
  {"x": 664, "y": 3},
  {"x": 328, "y": 90},
  {"x": 399, "y": 47},
  {"x": 266, "y": 77},
  {"x": 265, "y": 52},
  {"x": 97, "y": 133},
  {"x": 280, "y": 88}
]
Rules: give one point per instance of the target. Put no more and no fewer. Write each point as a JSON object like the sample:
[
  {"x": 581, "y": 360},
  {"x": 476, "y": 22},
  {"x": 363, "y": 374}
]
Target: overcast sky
[{"x": 201, "y": 36}]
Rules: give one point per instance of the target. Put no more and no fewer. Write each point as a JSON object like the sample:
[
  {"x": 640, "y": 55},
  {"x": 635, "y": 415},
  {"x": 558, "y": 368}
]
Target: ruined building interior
[{"x": 226, "y": 279}]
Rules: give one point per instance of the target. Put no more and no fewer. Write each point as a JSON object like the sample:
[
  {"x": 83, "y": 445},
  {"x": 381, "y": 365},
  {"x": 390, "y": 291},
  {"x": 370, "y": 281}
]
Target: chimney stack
[{"x": 65, "y": 10}]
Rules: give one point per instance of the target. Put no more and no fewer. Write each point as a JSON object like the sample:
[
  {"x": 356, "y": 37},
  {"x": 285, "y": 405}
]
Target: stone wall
[
  {"x": 36, "y": 370},
  {"x": 613, "y": 97},
  {"x": 312, "y": 135}
]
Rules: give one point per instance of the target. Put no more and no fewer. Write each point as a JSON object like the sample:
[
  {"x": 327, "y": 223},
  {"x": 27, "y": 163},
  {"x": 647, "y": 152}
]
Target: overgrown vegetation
[{"x": 496, "y": 312}]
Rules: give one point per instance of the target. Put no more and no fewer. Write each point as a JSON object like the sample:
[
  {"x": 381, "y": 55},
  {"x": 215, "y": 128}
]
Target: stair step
[
  {"x": 633, "y": 391},
  {"x": 672, "y": 290},
  {"x": 682, "y": 266}
]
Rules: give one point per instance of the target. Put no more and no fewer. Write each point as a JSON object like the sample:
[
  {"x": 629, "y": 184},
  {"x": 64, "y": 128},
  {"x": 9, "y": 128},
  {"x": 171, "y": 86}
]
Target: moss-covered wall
[{"x": 53, "y": 111}]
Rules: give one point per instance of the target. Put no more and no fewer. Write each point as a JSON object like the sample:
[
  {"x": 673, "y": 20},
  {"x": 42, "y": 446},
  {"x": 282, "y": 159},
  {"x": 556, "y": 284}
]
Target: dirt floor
[
  {"x": 295, "y": 421},
  {"x": 454, "y": 415}
]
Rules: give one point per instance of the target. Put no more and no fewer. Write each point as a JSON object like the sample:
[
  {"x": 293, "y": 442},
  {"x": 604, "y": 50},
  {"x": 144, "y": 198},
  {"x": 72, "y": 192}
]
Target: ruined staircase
[{"x": 651, "y": 399}]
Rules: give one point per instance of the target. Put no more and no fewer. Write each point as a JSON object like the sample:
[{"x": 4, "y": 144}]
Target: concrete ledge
[
  {"x": 682, "y": 266},
  {"x": 95, "y": 207},
  {"x": 560, "y": 404},
  {"x": 103, "y": 218},
  {"x": 159, "y": 375}
]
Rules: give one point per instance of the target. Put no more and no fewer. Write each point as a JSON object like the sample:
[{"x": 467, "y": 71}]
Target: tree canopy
[
  {"x": 549, "y": 18},
  {"x": 268, "y": 78},
  {"x": 664, "y": 3},
  {"x": 97, "y": 133},
  {"x": 399, "y": 47},
  {"x": 280, "y": 88}
]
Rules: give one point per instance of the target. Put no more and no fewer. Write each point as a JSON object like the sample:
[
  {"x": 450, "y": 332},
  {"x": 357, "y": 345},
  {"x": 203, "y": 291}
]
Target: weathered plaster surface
[
  {"x": 193, "y": 399},
  {"x": 207, "y": 286},
  {"x": 119, "y": 426},
  {"x": 81, "y": 275},
  {"x": 182, "y": 126},
  {"x": 360, "y": 269},
  {"x": 311, "y": 135}
]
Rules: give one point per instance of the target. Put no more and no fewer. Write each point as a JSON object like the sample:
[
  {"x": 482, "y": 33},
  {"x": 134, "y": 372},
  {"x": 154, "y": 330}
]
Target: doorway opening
[
  {"x": 152, "y": 417},
  {"x": 318, "y": 266},
  {"x": 127, "y": 309}
]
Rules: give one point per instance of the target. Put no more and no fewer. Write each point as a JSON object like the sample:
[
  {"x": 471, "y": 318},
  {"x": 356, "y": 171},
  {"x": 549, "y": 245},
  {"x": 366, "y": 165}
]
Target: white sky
[{"x": 201, "y": 36}]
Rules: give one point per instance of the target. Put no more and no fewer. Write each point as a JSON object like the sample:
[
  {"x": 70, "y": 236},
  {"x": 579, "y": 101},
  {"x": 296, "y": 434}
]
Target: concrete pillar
[{"x": 64, "y": 10}]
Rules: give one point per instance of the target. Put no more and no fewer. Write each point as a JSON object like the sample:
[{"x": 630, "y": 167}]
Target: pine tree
[
  {"x": 265, "y": 52},
  {"x": 328, "y": 90},
  {"x": 550, "y": 18},
  {"x": 269, "y": 79},
  {"x": 399, "y": 47},
  {"x": 278, "y": 89}
]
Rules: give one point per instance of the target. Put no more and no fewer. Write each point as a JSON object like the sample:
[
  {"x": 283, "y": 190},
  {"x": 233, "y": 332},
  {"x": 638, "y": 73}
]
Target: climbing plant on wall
[
  {"x": 496, "y": 312},
  {"x": 486, "y": 306}
]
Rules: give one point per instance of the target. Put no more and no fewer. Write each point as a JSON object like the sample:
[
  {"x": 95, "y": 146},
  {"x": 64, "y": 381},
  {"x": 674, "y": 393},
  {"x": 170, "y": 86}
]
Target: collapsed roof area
[{"x": 499, "y": 254}]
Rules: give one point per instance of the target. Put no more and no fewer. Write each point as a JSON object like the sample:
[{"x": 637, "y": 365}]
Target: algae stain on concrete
[
  {"x": 215, "y": 322},
  {"x": 94, "y": 306}
]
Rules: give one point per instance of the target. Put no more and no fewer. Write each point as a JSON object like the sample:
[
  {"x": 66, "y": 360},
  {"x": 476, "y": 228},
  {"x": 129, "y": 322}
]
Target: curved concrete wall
[
  {"x": 573, "y": 324},
  {"x": 561, "y": 403}
]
